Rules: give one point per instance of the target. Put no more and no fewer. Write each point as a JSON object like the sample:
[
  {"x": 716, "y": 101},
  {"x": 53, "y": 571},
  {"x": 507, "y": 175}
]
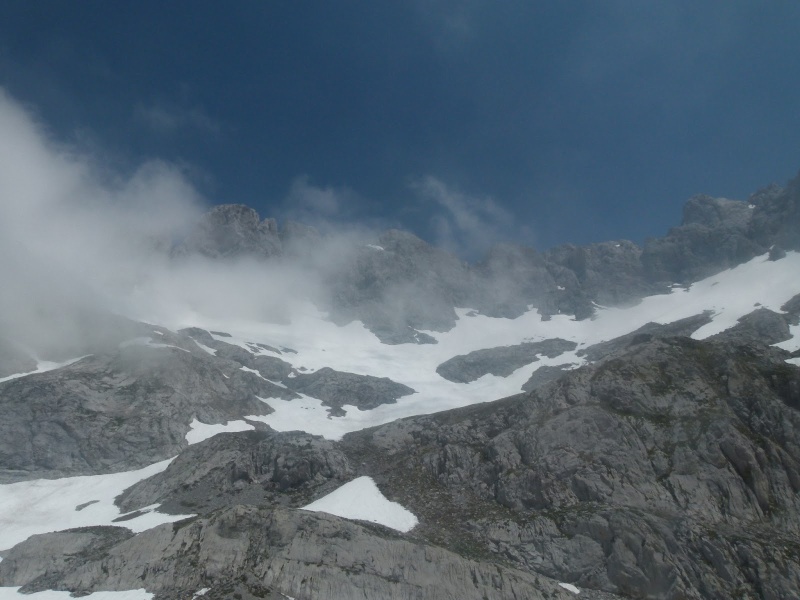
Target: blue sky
[{"x": 465, "y": 121}]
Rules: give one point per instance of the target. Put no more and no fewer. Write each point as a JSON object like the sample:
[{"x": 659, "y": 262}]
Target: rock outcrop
[
  {"x": 671, "y": 469},
  {"x": 116, "y": 412},
  {"x": 501, "y": 361}
]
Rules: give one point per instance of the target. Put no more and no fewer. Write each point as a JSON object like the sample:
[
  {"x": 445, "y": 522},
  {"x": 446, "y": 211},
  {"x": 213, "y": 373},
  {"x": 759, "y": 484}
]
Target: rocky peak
[
  {"x": 231, "y": 230},
  {"x": 716, "y": 212}
]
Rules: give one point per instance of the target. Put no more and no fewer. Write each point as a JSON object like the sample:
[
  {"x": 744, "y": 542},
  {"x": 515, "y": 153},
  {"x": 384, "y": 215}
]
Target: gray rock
[
  {"x": 251, "y": 467},
  {"x": 609, "y": 273},
  {"x": 302, "y": 555},
  {"x": 232, "y": 230},
  {"x": 544, "y": 375},
  {"x": 645, "y": 333},
  {"x": 337, "y": 388},
  {"x": 406, "y": 286},
  {"x": 501, "y": 361},
  {"x": 760, "y": 326},
  {"x": 668, "y": 470},
  {"x": 115, "y": 412},
  {"x": 43, "y": 558},
  {"x": 696, "y": 250}
]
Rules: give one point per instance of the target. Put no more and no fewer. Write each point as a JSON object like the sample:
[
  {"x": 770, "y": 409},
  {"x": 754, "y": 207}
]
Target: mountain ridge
[{"x": 617, "y": 421}]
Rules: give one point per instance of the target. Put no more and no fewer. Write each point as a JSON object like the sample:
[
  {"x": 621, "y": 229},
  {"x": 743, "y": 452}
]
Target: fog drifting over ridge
[{"x": 79, "y": 239}]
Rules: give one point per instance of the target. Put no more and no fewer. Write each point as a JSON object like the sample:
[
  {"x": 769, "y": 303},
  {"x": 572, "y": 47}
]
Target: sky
[{"x": 467, "y": 122}]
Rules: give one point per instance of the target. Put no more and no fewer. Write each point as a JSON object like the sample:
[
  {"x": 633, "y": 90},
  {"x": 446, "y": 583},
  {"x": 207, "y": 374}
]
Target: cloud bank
[
  {"x": 465, "y": 225},
  {"x": 80, "y": 241}
]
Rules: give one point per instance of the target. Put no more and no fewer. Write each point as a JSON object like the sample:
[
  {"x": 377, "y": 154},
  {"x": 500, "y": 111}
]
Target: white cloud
[
  {"x": 74, "y": 234},
  {"x": 79, "y": 238},
  {"x": 465, "y": 225},
  {"x": 316, "y": 202}
]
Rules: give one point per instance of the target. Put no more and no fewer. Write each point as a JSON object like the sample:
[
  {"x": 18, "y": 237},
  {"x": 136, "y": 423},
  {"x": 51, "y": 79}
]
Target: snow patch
[
  {"x": 211, "y": 351},
  {"x": 361, "y": 500},
  {"x": 42, "y": 366},
  {"x": 570, "y": 587},
  {"x": 374, "y": 247},
  {"x": 793, "y": 343},
  {"x": 202, "y": 431},
  {"x": 46, "y": 505},
  {"x": 149, "y": 343}
]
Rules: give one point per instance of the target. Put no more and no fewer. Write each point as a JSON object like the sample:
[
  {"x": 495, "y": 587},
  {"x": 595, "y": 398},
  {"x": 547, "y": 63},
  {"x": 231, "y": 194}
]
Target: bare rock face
[
  {"x": 501, "y": 361},
  {"x": 120, "y": 411},
  {"x": 608, "y": 273},
  {"x": 714, "y": 236},
  {"x": 232, "y": 230},
  {"x": 247, "y": 551},
  {"x": 252, "y": 467},
  {"x": 337, "y": 388},
  {"x": 610, "y": 477},
  {"x": 399, "y": 285},
  {"x": 761, "y": 325}
]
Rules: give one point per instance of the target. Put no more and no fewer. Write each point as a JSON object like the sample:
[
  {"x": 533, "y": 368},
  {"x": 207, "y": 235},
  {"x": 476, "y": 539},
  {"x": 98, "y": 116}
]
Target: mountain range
[{"x": 604, "y": 422}]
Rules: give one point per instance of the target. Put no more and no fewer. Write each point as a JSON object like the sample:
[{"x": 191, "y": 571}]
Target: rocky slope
[
  {"x": 670, "y": 469},
  {"x": 652, "y": 457}
]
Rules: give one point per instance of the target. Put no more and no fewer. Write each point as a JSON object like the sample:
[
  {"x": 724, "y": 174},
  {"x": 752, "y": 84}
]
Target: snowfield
[
  {"x": 729, "y": 295},
  {"x": 44, "y": 505},
  {"x": 361, "y": 500}
]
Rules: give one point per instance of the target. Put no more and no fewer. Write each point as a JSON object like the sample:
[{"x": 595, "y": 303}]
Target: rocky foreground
[{"x": 669, "y": 469}]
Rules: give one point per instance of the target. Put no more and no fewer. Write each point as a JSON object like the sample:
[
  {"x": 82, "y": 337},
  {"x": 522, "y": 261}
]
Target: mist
[{"x": 81, "y": 242}]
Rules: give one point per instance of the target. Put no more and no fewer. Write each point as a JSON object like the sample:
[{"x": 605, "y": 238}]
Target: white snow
[
  {"x": 570, "y": 587},
  {"x": 374, "y": 247},
  {"x": 361, "y": 499},
  {"x": 11, "y": 593},
  {"x": 793, "y": 343},
  {"x": 45, "y": 505},
  {"x": 352, "y": 348},
  {"x": 42, "y": 366},
  {"x": 149, "y": 343},
  {"x": 201, "y": 592},
  {"x": 211, "y": 351},
  {"x": 202, "y": 431}
]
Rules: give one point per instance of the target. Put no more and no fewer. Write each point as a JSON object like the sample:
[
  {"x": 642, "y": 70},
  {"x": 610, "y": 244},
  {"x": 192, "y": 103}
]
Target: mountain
[{"x": 609, "y": 421}]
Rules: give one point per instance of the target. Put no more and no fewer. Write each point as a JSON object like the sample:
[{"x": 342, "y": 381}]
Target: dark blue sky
[{"x": 548, "y": 122}]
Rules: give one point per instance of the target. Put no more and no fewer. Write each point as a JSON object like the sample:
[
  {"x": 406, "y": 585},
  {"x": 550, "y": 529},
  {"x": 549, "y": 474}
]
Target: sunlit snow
[
  {"x": 320, "y": 343},
  {"x": 361, "y": 499},
  {"x": 44, "y": 505},
  {"x": 570, "y": 587},
  {"x": 202, "y": 431}
]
